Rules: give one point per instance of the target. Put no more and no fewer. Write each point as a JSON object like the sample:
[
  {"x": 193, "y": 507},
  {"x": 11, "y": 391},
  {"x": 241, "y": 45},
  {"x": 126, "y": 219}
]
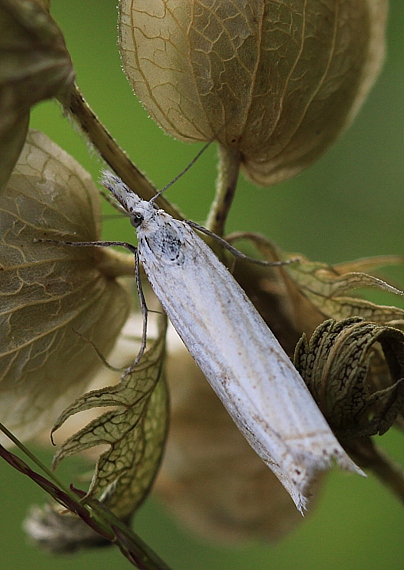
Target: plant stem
[
  {"x": 91, "y": 512},
  {"x": 37, "y": 461},
  {"x": 369, "y": 456},
  {"x": 229, "y": 167}
]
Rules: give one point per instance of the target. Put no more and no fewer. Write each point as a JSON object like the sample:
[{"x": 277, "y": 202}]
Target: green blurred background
[{"x": 350, "y": 204}]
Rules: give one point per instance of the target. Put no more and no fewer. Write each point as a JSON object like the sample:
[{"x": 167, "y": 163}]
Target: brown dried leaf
[
  {"x": 336, "y": 366},
  {"x": 314, "y": 291},
  {"x": 135, "y": 430},
  {"x": 326, "y": 287},
  {"x": 34, "y": 65},
  {"x": 55, "y": 300},
  {"x": 277, "y": 80}
]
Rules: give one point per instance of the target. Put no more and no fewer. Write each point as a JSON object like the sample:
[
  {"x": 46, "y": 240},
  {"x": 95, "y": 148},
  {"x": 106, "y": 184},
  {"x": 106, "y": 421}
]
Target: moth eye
[{"x": 136, "y": 220}]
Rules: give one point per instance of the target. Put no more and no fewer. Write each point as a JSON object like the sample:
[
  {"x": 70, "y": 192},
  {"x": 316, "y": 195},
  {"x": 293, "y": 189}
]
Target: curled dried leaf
[
  {"x": 327, "y": 286},
  {"x": 56, "y": 301},
  {"x": 34, "y": 65},
  {"x": 359, "y": 383},
  {"x": 135, "y": 430},
  {"x": 336, "y": 365},
  {"x": 278, "y": 81}
]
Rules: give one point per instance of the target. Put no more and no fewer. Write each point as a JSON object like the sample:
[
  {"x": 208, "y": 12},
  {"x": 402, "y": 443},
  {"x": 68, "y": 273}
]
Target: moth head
[
  {"x": 136, "y": 219},
  {"x": 143, "y": 215}
]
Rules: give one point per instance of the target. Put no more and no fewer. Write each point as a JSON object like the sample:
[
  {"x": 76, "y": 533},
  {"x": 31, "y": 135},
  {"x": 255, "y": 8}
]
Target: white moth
[{"x": 234, "y": 348}]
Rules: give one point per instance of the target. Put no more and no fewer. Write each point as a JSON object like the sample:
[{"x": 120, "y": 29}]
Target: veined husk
[
  {"x": 277, "y": 81},
  {"x": 34, "y": 65},
  {"x": 56, "y": 302}
]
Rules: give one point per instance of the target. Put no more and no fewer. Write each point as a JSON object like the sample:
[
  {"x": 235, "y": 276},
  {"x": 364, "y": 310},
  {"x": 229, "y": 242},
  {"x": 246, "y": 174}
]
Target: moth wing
[{"x": 243, "y": 361}]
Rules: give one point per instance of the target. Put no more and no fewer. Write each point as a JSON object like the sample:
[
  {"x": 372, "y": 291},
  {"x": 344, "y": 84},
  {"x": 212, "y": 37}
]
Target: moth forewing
[{"x": 236, "y": 351}]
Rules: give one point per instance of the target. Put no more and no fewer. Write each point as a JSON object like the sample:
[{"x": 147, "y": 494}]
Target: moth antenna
[
  {"x": 196, "y": 157},
  {"x": 184, "y": 171}
]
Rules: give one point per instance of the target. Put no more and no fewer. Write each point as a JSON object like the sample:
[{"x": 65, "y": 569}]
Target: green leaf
[{"x": 135, "y": 430}]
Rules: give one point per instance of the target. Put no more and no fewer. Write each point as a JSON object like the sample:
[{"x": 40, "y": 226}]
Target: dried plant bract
[
  {"x": 34, "y": 65},
  {"x": 276, "y": 81},
  {"x": 55, "y": 300}
]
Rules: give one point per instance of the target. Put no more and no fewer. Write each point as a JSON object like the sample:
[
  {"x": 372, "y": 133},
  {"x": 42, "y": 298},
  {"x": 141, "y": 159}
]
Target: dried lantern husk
[
  {"x": 34, "y": 65},
  {"x": 57, "y": 302},
  {"x": 277, "y": 81}
]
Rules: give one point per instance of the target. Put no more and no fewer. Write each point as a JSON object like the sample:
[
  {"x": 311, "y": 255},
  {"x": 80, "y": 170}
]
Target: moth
[{"x": 237, "y": 352}]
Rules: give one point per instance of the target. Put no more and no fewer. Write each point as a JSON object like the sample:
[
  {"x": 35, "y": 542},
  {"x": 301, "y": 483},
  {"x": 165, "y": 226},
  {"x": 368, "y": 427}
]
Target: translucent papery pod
[
  {"x": 274, "y": 82},
  {"x": 57, "y": 303},
  {"x": 34, "y": 65},
  {"x": 133, "y": 428}
]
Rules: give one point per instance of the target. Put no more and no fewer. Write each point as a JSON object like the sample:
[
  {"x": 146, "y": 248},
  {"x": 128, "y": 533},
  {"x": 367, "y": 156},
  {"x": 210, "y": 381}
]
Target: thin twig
[
  {"x": 229, "y": 166},
  {"x": 369, "y": 456},
  {"x": 92, "y": 512},
  {"x": 35, "y": 460}
]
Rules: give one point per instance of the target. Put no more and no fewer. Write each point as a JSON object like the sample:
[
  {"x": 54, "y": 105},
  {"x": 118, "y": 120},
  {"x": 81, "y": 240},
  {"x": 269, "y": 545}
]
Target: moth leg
[
  {"x": 236, "y": 252},
  {"x": 124, "y": 244},
  {"x": 144, "y": 311},
  {"x": 143, "y": 306}
]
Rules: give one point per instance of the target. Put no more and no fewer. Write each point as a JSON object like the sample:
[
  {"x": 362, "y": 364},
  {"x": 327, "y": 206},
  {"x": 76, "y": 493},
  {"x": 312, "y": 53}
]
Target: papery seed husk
[
  {"x": 55, "y": 300},
  {"x": 34, "y": 65},
  {"x": 279, "y": 81}
]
